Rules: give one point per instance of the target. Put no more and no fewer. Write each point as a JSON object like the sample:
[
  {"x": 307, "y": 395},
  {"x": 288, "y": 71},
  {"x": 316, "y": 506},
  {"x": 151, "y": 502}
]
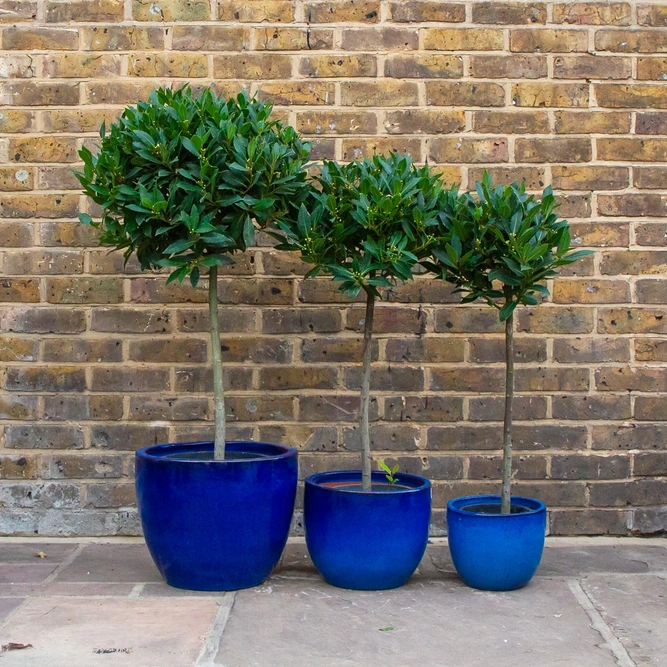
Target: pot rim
[
  {"x": 158, "y": 453},
  {"x": 421, "y": 482},
  {"x": 455, "y": 505}
]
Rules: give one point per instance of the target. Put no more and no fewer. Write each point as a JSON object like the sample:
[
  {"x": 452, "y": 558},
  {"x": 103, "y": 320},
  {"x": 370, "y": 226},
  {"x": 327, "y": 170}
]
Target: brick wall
[{"x": 97, "y": 360}]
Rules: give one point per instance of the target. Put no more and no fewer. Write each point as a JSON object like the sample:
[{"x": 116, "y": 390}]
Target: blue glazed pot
[
  {"x": 493, "y": 551},
  {"x": 366, "y": 540},
  {"x": 216, "y": 525}
]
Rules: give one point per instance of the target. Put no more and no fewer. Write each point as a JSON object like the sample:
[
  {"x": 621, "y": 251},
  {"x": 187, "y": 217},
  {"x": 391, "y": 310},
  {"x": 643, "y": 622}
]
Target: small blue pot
[
  {"x": 493, "y": 551},
  {"x": 216, "y": 525},
  {"x": 366, "y": 540}
]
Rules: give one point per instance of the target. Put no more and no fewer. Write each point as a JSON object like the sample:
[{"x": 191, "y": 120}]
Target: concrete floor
[{"x": 595, "y": 602}]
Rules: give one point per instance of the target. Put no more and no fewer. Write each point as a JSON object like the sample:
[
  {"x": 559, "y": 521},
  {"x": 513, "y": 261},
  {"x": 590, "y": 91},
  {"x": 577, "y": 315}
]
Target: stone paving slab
[
  {"x": 88, "y": 633},
  {"x": 112, "y": 563},
  {"x": 621, "y": 559},
  {"x": 593, "y": 603},
  {"x": 66, "y": 589},
  {"x": 282, "y": 624},
  {"x": 7, "y": 606},
  {"x": 24, "y": 573},
  {"x": 580, "y": 561},
  {"x": 635, "y": 608},
  {"x": 34, "y": 552}
]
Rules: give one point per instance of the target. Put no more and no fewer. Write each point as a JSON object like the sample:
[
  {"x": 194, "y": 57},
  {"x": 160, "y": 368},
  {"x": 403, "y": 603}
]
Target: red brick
[
  {"x": 548, "y": 41},
  {"x": 652, "y": 15},
  {"x": 511, "y": 13},
  {"x": 630, "y": 41},
  {"x": 418, "y": 121},
  {"x": 424, "y": 66},
  {"x": 182, "y": 408},
  {"x": 632, "y": 320},
  {"x": 449, "y": 93},
  {"x": 379, "y": 39},
  {"x": 469, "y": 150},
  {"x": 63, "y": 407},
  {"x": 586, "y": 350},
  {"x": 593, "y": 13},
  {"x": 513, "y": 122},
  {"x": 40, "y": 38},
  {"x": 335, "y": 11},
  {"x": 555, "y": 320},
  {"x": 423, "y": 408},
  {"x": 379, "y": 93},
  {"x": 651, "y": 291},
  {"x": 632, "y": 149},
  {"x": 389, "y": 320},
  {"x": 592, "y": 67},
  {"x": 591, "y": 291},
  {"x": 630, "y": 435},
  {"x": 634, "y": 262},
  {"x": 651, "y": 349},
  {"x": 651, "y": 408},
  {"x": 591, "y": 407},
  {"x": 651, "y": 234},
  {"x": 285, "y": 39},
  {"x": 523, "y": 467},
  {"x": 553, "y": 150},
  {"x": 427, "y": 11},
  {"x": 602, "y": 122},
  {"x": 463, "y": 39},
  {"x": 589, "y": 178},
  {"x": 637, "y": 96},
  {"x": 280, "y": 378},
  {"x": 550, "y": 94}
]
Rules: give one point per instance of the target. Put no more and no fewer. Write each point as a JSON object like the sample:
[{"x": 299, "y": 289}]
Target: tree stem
[
  {"x": 365, "y": 394},
  {"x": 507, "y": 426},
  {"x": 218, "y": 388}
]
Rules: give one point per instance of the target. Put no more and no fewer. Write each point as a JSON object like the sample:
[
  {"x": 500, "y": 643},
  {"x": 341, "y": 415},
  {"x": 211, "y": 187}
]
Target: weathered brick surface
[{"x": 97, "y": 360}]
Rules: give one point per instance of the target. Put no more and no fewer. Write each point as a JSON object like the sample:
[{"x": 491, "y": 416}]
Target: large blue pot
[
  {"x": 493, "y": 551},
  {"x": 216, "y": 525},
  {"x": 366, "y": 540}
]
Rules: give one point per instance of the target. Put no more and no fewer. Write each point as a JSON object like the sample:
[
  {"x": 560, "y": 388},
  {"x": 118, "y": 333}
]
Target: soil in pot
[
  {"x": 493, "y": 508},
  {"x": 356, "y": 486},
  {"x": 208, "y": 456}
]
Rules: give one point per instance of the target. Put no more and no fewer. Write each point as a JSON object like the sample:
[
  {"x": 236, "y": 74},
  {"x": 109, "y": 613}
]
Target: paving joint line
[
  {"x": 213, "y": 638},
  {"x": 136, "y": 591},
  {"x": 68, "y": 561},
  {"x": 619, "y": 651}
]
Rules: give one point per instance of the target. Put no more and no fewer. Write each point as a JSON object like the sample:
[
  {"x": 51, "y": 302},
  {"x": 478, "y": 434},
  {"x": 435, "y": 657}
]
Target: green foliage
[
  {"x": 368, "y": 223},
  {"x": 501, "y": 245},
  {"x": 391, "y": 472},
  {"x": 184, "y": 181}
]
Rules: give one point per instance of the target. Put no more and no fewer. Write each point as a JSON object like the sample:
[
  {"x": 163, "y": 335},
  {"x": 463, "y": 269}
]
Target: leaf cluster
[
  {"x": 500, "y": 245},
  {"x": 367, "y": 223},
  {"x": 390, "y": 472},
  {"x": 184, "y": 181}
]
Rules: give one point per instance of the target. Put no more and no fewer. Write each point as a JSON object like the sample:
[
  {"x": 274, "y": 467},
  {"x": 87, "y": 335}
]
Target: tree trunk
[
  {"x": 507, "y": 426},
  {"x": 218, "y": 389},
  {"x": 365, "y": 394}
]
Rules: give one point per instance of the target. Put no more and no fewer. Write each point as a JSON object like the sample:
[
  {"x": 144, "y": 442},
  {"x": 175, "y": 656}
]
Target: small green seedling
[{"x": 391, "y": 472}]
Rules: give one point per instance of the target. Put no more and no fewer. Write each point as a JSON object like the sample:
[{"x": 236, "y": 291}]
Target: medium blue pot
[
  {"x": 216, "y": 525},
  {"x": 493, "y": 551},
  {"x": 366, "y": 540}
]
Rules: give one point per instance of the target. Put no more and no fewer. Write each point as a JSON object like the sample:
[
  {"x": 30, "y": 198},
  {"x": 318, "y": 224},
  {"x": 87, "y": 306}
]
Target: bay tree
[
  {"x": 184, "y": 181},
  {"x": 367, "y": 225},
  {"x": 499, "y": 245}
]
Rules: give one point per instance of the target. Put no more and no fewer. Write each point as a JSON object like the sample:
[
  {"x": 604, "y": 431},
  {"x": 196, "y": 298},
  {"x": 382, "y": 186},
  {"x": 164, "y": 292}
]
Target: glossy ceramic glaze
[
  {"x": 216, "y": 525},
  {"x": 496, "y": 552},
  {"x": 366, "y": 540}
]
